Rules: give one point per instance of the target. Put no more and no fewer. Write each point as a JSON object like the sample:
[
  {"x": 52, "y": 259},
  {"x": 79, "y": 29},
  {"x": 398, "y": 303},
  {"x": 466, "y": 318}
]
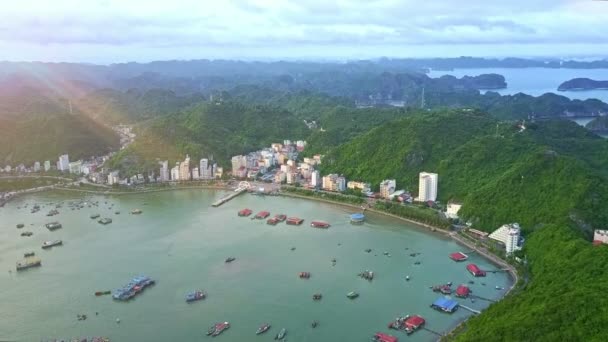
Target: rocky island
[{"x": 582, "y": 84}]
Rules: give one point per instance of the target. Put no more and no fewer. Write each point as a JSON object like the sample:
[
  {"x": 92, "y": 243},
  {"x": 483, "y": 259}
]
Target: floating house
[
  {"x": 357, "y": 218},
  {"x": 463, "y": 291},
  {"x": 459, "y": 256},
  {"x": 475, "y": 271},
  {"x": 445, "y": 304}
]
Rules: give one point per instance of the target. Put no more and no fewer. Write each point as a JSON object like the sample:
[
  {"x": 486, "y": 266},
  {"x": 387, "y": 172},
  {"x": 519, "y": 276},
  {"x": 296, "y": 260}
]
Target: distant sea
[{"x": 537, "y": 81}]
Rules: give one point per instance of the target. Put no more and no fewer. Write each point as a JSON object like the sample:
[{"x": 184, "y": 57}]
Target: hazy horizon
[{"x": 109, "y": 31}]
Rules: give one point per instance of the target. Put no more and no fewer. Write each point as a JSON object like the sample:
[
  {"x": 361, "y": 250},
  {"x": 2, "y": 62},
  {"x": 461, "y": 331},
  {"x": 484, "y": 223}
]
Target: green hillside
[
  {"x": 219, "y": 129},
  {"x": 549, "y": 172},
  {"x": 43, "y": 128}
]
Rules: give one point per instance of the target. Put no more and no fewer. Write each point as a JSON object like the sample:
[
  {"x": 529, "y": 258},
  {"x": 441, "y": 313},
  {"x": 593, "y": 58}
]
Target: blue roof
[
  {"x": 446, "y": 303},
  {"x": 357, "y": 216}
]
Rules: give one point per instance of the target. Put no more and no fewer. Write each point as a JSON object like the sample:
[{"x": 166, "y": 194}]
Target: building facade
[
  {"x": 63, "y": 164},
  {"x": 427, "y": 186},
  {"x": 387, "y": 188},
  {"x": 509, "y": 235}
]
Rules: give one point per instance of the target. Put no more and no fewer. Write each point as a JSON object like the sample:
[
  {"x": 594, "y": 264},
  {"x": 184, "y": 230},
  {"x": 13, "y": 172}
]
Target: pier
[
  {"x": 482, "y": 298},
  {"x": 432, "y": 331},
  {"x": 470, "y": 309},
  {"x": 228, "y": 197}
]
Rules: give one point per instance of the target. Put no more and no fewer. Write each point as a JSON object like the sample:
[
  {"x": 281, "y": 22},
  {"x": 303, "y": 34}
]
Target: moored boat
[
  {"x": 105, "y": 221},
  {"x": 136, "y": 211},
  {"x": 319, "y": 224},
  {"x": 281, "y": 334},
  {"x": 94, "y": 216},
  {"x": 244, "y": 212},
  {"x": 294, "y": 221},
  {"x": 352, "y": 295},
  {"x": 27, "y": 234},
  {"x": 53, "y": 225},
  {"x": 304, "y": 275},
  {"x": 195, "y": 295},
  {"x": 262, "y": 329},
  {"x": 229, "y": 259},
  {"x": 367, "y": 274},
  {"x": 262, "y": 215},
  {"x": 49, "y": 244},
  {"x": 28, "y": 263},
  {"x": 317, "y": 296},
  {"x": 220, "y": 328}
]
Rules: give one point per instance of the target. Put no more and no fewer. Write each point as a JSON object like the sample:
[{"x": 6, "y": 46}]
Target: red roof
[
  {"x": 414, "y": 321},
  {"x": 382, "y": 337},
  {"x": 458, "y": 256},
  {"x": 475, "y": 270},
  {"x": 463, "y": 291}
]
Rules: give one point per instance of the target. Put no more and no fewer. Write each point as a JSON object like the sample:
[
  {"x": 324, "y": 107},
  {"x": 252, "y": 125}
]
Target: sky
[{"x": 109, "y": 31}]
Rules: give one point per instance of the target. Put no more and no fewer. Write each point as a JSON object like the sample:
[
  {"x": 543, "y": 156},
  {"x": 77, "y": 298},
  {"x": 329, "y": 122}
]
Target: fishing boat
[
  {"x": 102, "y": 293},
  {"x": 133, "y": 288},
  {"x": 28, "y": 263},
  {"x": 294, "y": 221},
  {"x": 220, "y": 328},
  {"x": 105, "y": 221},
  {"x": 94, "y": 216},
  {"x": 314, "y": 324},
  {"x": 281, "y": 334},
  {"x": 444, "y": 289},
  {"x": 53, "y": 225},
  {"x": 20, "y": 225},
  {"x": 352, "y": 295},
  {"x": 27, "y": 234},
  {"x": 245, "y": 212},
  {"x": 229, "y": 259},
  {"x": 136, "y": 211},
  {"x": 195, "y": 296},
  {"x": 262, "y": 329},
  {"x": 317, "y": 296},
  {"x": 49, "y": 244},
  {"x": 304, "y": 275},
  {"x": 319, "y": 224}
]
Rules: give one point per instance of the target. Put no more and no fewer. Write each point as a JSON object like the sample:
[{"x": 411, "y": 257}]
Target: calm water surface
[
  {"x": 538, "y": 81},
  {"x": 182, "y": 242}
]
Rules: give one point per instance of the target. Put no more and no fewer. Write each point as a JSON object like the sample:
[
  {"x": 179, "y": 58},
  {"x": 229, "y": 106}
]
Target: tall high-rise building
[
  {"x": 238, "y": 162},
  {"x": 164, "y": 171},
  {"x": 175, "y": 172},
  {"x": 63, "y": 164},
  {"x": 195, "y": 173},
  {"x": 184, "y": 169},
  {"x": 508, "y": 234},
  {"x": 47, "y": 165},
  {"x": 315, "y": 179},
  {"x": 427, "y": 187},
  {"x": 36, "y": 166}
]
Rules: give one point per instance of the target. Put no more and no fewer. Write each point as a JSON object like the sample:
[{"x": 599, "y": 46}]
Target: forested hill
[
  {"x": 221, "y": 129},
  {"x": 548, "y": 172}
]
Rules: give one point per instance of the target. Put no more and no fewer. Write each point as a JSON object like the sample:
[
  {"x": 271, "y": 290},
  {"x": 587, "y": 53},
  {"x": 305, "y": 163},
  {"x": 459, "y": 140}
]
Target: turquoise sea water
[
  {"x": 182, "y": 242},
  {"x": 538, "y": 81}
]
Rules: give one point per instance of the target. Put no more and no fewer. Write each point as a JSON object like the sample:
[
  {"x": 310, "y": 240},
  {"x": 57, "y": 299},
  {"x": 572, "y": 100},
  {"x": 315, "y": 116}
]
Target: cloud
[{"x": 262, "y": 24}]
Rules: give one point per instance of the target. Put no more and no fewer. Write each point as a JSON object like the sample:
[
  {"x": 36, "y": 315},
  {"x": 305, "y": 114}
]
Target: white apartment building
[
  {"x": 164, "y": 171},
  {"x": 452, "y": 210},
  {"x": 75, "y": 167},
  {"x": 47, "y": 166},
  {"x": 427, "y": 186},
  {"x": 508, "y": 234},
  {"x": 36, "y": 166},
  {"x": 63, "y": 164}
]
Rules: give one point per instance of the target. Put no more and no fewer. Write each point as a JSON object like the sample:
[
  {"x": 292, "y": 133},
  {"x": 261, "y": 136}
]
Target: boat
[
  {"x": 368, "y": 250},
  {"x": 28, "y": 263},
  {"x": 29, "y": 254},
  {"x": 382, "y": 337},
  {"x": 317, "y": 296},
  {"x": 262, "y": 215},
  {"x": 53, "y": 225},
  {"x": 133, "y": 288},
  {"x": 263, "y": 328},
  {"x": 220, "y": 328},
  {"x": 102, "y": 293},
  {"x": 105, "y": 221},
  {"x": 49, "y": 244},
  {"x": 272, "y": 221},
  {"x": 281, "y": 334},
  {"x": 304, "y": 275},
  {"x": 314, "y": 324},
  {"x": 319, "y": 224},
  {"x": 27, "y": 234},
  {"x": 53, "y": 212},
  {"x": 117, "y": 213},
  {"x": 280, "y": 217},
  {"x": 407, "y": 278},
  {"x": 229, "y": 259},
  {"x": 195, "y": 295},
  {"x": 352, "y": 295},
  {"x": 136, "y": 211},
  {"x": 367, "y": 274},
  {"x": 444, "y": 289},
  {"x": 244, "y": 212},
  {"x": 94, "y": 216},
  {"x": 294, "y": 221},
  {"x": 357, "y": 218},
  {"x": 20, "y": 225}
]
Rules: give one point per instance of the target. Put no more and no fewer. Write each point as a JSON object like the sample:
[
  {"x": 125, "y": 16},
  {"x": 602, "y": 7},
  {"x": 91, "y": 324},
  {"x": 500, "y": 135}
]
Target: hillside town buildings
[{"x": 508, "y": 235}]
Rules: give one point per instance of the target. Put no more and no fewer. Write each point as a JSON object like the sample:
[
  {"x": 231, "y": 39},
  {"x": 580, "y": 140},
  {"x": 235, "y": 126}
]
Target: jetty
[
  {"x": 470, "y": 309},
  {"x": 228, "y": 197}
]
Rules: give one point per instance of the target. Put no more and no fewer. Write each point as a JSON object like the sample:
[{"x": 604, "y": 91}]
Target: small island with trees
[{"x": 583, "y": 84}]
